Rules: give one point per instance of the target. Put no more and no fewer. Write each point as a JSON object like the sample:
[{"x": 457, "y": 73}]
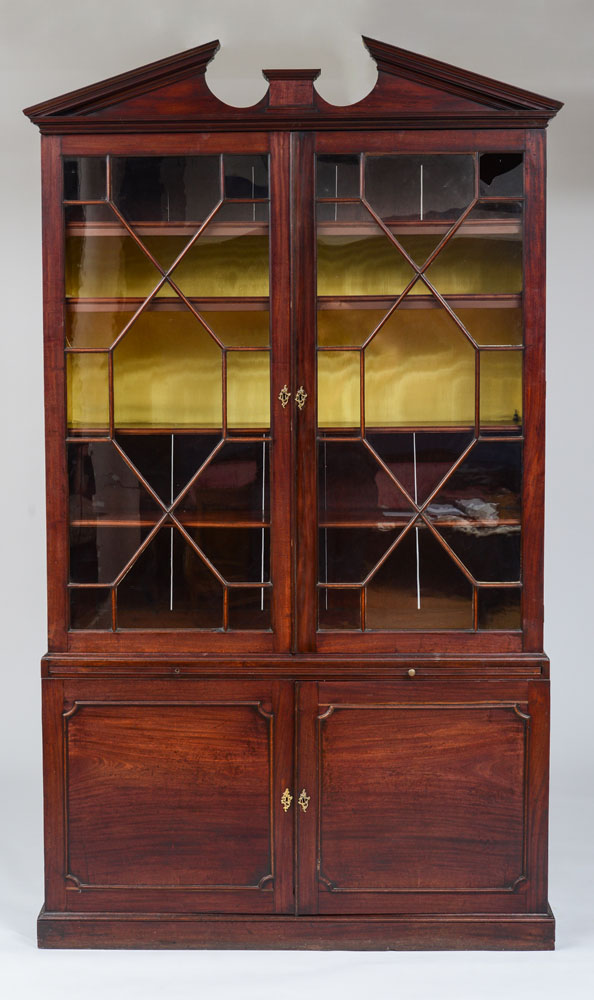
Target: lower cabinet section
[{"x": 409, "y": 813}]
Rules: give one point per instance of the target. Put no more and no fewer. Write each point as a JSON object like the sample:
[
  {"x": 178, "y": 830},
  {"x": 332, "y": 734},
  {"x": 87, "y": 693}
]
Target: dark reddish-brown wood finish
[{"x": 422, "y": 757}]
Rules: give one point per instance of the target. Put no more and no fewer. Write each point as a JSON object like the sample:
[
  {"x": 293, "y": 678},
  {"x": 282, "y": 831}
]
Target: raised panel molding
[
  {"x": 263, "y": 710},
  {"x": 515, "y": 885}
]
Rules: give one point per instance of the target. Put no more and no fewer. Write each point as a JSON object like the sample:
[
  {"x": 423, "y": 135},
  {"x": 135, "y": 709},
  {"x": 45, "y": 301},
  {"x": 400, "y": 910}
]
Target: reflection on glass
[
  {"x": 500, "y": 324},
  {"x": 90, "y": 327},
  {"x": 246, "y": 176},
  {"x": 103, "y": 487},
  {"x": 84, "y": 178},
  {"x": 339, "y": 389},
  {"x": 90, "y": 608},
  {"x": 98, "y": 553},
  {"x": 235, "y": 484},
  {"x": 489, "y": 553},
  {"x": 230, "y": 258},
  {"x": 239, "y": 327},
  {"x": 425, "y": 593},
  {"x": 348, "y": 555},
  {"x": 167, "y": 372},
  {"x": 501, "y": 174},
  {"x": 249, "y": 608},
  {"x": 347, "y": 327},
  {"x": 359, "y": 259},
  {"x": 169, "y": 587},
  {"x": 337, "y": 176},
  {"x": 165, "y": 188},
  {"x": 87, "y": 391},
  {"x": 479, "y": 259},
  {"x": 353, "y": 486},
  {"x": 487, "y": 485},
  {"x": 420, "y": 460},
  {"x": 419, "y": 370},
  {"x": 339, "y": 609},
  {"x": 167, "y": 461},
  {"x": 103, "y": 260},
  {"x": 428, "y": 187},
  {"x": 499, "y": 608},
  {"x": 241, "y": 555},
  {"x": 501, "y": 387},
  {"x": 248, "y": 389}
]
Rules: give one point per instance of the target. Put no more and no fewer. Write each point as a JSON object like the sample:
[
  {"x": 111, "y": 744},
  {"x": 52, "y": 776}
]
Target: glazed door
[
  {"x": 176, "y": 344},
  {"x": 171, "y": 796},
  {"x": 420, "y": 796},
  {"x": 414, "y": 365}
]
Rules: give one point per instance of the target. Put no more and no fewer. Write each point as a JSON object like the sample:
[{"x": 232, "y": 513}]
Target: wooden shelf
[
  {"x": 217, "y": 519},
  {"x": 189, "y": 229},
  {"x": 474, "y": 227}
]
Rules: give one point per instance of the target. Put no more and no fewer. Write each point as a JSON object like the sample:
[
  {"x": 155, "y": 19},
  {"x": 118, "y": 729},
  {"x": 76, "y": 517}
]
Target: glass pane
[
  {"x": 84, "y": 178},
  {"x": 87, "y": 392},
  {"x": 499, "y": 608},
  {"x": 248, "y": 389},
  {"x": 165, "y": 188},
  {"x": 249, "y": 608},
  {"x": 169, "y": 587},
  {"x": 235, "y": 485},
  {"x": 501, "y": 387},
  {"x": 500, "y": 324},
  {"x": 168, "y": 461},
  {"x": 480, "y": 258},
  {"x": 352, "y": 486},
  {"x": 339, "y": 380},
  {"x": 501, "y": 174},
  {"x": 348, "y": 555},
  {"x": 357, "y": 258},
  {"x": 246, "y": 176},
  {"x": 420, "y": 460},
  {"x": 230, "y": 258},
  {"x": 427, "y": 187},
  {"x": 487, "y": 485},
  {"x": 239, "y": 327},
  {"x": 337, "y": 176},
  {"x": 99, "y": 552},
  {"x": 102, "y": 259},
  {"x": 339, "y": 609},
  {"x": 347, "y": 327},
  {"x": 419, "y": 587},
  {"x": 90, "y": 608},
  {"x": 489, "y": 553},
  {"x": 103, "y": 488},
  {"x": 420, "y": 371},
  {"x": 241, "y": 555},
  {"x": 167, "y": 372},
  {"x": 89, "y": 326}
]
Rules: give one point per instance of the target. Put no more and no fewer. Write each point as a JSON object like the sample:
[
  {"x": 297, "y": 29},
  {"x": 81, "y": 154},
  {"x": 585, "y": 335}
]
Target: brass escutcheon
[
  {"x": 303, "y": 800},
  {"x": 284, "y": 395},
  {"x": 300, "y": 397},
  {"x": 286, "y": 799}
]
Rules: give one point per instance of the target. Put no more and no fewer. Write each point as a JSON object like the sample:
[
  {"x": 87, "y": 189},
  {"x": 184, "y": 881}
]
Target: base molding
[{"x": 521, "y": 932}]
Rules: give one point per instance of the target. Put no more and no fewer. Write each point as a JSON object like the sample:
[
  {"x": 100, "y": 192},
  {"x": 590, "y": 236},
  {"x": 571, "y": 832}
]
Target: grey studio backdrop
[{"x": 548, "y": 47}]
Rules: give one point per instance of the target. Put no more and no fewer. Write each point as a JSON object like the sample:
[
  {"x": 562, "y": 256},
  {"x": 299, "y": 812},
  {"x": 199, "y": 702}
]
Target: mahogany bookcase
[{"x": 295, "y": 693}]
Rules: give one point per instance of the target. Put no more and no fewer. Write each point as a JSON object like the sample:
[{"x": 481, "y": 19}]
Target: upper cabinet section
[{"x": 411, "y": 91}]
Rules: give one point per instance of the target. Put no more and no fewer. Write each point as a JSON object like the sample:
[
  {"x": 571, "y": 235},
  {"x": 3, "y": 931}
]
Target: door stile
[
  {"x": 304, "y": 337},
  {"x": 283, "y": 750},
  {"x": 307, "y": 797},
  {"x": 281, "y": 417}
]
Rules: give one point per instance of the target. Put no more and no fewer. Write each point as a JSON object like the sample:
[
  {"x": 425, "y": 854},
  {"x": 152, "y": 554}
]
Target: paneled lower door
[
  {"x": 419, "y": 797},
  {"x": 173, "y": 797}
]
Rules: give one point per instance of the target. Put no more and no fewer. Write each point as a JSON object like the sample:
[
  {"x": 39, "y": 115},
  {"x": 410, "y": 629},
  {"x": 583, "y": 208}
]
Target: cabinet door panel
[
  {"x": 172, "y": 804},
  {"x": 423, "y": 799}
]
